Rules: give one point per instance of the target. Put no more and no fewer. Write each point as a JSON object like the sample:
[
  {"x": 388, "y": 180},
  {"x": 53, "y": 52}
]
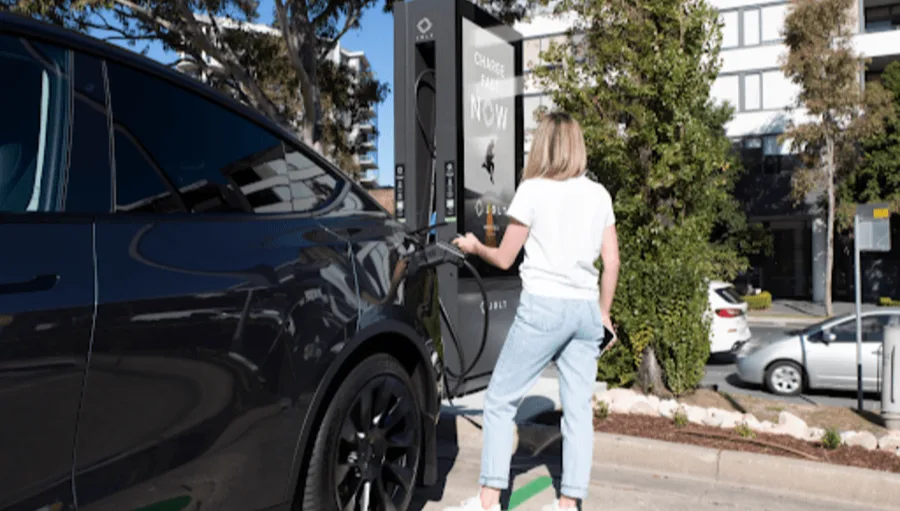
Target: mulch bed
[{"x": 660, "y": 428}]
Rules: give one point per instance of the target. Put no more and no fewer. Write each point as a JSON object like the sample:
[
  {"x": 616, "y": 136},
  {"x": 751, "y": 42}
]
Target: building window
[
  {"x": 752, "y": 26},
  {"x": 755, "y": 90},
  {"x": 883, "y": 18},
  {"x": 532, "y": 49},
  {"x": 763, "y": 154},
  {"x": 778, "y": 91},
  {"x": 731, "y": 30},
  {"x": 752, "y": 91},
  {"x": 727, "y": 89},
  {"x": 773, "y": 22},
  {"x": 531, "y": 106}
]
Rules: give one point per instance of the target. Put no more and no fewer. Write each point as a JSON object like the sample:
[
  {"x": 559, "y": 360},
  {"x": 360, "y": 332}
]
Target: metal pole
[{"x": 857, "y": 277}]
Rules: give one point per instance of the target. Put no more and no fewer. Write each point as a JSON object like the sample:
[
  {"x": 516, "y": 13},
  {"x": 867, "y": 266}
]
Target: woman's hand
[
  {"x": 607, "y": 324},
  {"x": 468, "y": 243}
]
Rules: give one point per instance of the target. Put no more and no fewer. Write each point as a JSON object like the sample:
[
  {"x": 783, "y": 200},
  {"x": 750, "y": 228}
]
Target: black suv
[{"x": 196, "y": 310}]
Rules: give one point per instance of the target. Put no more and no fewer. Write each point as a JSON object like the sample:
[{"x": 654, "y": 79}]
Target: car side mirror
[{"x": 829, "y": 337}]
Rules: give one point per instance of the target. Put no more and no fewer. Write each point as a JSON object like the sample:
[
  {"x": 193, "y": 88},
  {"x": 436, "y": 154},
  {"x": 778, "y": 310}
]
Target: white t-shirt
[{"x": 566, "y": 221}]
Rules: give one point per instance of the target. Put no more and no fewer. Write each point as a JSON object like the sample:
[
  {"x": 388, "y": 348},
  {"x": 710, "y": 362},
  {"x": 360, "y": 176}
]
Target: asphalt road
[{"x": 722, "y": 373}]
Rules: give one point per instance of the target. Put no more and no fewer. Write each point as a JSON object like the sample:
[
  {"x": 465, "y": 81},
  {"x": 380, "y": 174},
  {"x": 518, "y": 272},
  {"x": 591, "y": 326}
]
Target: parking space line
[{"x": 528, "y": 491}]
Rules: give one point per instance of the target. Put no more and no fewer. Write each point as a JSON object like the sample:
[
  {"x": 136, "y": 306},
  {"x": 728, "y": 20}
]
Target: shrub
[
  {"x": 885, "y": 301},
  {"x": 680, "y": 419},
  {"x": 762, "y": 301},
  {"x": 744, "y": 431},
  {"x": 602, "y": 410},
  {"x": 831, "y": 439}
]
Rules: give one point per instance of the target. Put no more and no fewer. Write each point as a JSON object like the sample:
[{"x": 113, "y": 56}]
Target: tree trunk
[
  {"x": 829, "y": 248},
  {"x": 650, "y": 377}
]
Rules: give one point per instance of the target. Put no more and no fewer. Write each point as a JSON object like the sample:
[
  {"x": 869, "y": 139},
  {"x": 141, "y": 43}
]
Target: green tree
[
  {"x": 637, "y": 74},
  {"x": 285, "y": 75},
  {"x": 877, "y": 177},
  {"x": 839, "y": 114}
]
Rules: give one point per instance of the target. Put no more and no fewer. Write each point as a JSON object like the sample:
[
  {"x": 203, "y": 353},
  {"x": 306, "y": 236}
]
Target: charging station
[{"x": 458, "y": 154}]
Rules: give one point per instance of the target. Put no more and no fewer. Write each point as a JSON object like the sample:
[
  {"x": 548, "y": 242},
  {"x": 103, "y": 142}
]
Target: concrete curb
[
  {"x": 769, "y": 473},
  {"x": 773, "y": 473}
]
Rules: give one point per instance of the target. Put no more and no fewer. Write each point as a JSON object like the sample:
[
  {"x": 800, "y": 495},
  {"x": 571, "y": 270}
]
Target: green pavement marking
[
  {"x": 531, "y": 489},
  {"x": 174, "y": 504}
]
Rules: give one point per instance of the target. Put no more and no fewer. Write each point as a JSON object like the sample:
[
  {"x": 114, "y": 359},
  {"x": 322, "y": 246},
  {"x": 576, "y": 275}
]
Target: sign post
[{"x": 871, "y": 233}]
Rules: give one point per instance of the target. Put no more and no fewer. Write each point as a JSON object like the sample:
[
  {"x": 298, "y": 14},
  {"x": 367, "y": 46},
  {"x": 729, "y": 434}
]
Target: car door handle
[{"x": 35, "y": 285}]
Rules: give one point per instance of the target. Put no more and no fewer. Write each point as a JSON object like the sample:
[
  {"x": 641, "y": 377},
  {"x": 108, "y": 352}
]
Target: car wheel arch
[{"x": 389, "y": 336}]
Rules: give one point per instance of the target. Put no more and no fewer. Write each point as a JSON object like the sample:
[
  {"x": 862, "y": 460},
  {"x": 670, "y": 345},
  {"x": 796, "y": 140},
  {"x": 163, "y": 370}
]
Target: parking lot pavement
[{"x": 612, "y": 489}]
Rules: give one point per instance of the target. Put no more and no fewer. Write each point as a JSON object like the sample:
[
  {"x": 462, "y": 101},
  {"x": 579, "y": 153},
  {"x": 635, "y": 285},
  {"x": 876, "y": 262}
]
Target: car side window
[
  {"x": 177, "y": 151},
  {"x": 35, "y": 107},
  {"x": 872, "y": 329}
]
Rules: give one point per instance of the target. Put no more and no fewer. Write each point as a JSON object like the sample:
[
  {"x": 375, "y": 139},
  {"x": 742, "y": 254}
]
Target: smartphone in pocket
[{"x": 608, "y": 338}]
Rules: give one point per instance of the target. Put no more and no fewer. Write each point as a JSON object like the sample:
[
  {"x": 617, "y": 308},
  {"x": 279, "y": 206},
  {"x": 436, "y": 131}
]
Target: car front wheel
[
  {"x": 366, "y": 452},
  {"x": 784, "y": 378}
]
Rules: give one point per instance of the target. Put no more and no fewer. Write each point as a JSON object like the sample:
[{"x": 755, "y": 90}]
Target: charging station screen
[{"x": 489, "y": 89}]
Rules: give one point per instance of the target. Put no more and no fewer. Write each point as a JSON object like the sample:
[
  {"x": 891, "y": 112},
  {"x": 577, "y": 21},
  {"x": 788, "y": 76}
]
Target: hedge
[{"x": 762, "y": 301}]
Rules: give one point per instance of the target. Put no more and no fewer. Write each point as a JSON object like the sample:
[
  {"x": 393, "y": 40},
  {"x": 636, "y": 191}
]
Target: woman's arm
[
  {"x": 503, "y": 256},
  {"x": 609, "y": 255}
]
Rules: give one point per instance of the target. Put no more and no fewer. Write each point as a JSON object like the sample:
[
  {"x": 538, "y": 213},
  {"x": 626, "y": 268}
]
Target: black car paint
[{"x": 191, "y": 354}]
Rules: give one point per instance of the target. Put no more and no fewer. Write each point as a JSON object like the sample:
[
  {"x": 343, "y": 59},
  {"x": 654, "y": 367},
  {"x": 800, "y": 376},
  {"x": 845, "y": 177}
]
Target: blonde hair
[{"x": 557, "y": 151}]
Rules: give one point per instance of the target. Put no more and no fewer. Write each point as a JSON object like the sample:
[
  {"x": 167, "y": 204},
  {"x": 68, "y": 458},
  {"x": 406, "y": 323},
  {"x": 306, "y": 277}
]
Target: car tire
[
  {"x": 784, "y": 378},
  {"x": 368, "y": 445}
]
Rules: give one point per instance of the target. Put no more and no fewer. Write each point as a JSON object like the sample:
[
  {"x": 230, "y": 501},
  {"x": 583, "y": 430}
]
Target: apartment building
[
  {"x": 752, "y": 82},
  {"x": 367, "y": 159}
]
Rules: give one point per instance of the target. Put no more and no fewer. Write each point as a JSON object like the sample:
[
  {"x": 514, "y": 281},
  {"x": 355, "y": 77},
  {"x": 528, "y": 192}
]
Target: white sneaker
[
  {"x": 555, "y": 507},
  {"x": 473, "y": 504}
]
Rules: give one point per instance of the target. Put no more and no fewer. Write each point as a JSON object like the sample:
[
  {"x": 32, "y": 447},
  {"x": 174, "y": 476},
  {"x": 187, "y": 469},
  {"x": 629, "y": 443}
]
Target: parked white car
[{"x": 729, "y": 326}]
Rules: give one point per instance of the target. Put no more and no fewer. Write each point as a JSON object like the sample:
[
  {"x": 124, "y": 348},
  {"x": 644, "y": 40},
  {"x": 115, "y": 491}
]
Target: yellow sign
[{"x": 881, "y": 213}]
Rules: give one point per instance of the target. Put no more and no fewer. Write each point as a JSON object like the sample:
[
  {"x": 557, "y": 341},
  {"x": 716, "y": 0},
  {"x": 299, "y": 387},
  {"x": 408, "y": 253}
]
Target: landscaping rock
[
  {"x": 847, "y": 435},
  {"x": 766, "y": 426},
  {"x": 790, "y": 424},
  {"x": 751, "y": 421},
  {"x": 713, "y": 417},
  {"x": 667, "y": 408},
  {"x": 814, "y": 434},
  {"x": 863, "y": 439},
  {"x": 654, "y": 401},
  {"x": 890, "y": 442},
  {"x": 621, "y": 400},
  {"x": 695, "y": 414},
  {"x": 643, "y": 408},
  {"x": 730, "y": 420}
]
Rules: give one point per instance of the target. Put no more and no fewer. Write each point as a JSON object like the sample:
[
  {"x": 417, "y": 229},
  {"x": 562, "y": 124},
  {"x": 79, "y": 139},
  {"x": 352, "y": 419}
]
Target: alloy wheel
[
  {"x": 377, "y": 450},
  {"x": 786, "y": 379}
]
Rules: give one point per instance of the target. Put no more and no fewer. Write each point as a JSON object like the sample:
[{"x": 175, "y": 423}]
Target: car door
[
  {"x": 46, "y": 269},
  {"x": 215, "y": 311},
  {"x": 834, "y": 361}
]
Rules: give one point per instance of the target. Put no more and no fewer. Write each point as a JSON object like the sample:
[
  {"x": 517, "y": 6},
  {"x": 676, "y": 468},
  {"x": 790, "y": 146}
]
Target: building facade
[
  {"x": 763, "y": 98},
  {"x": 367, "y": 159}
]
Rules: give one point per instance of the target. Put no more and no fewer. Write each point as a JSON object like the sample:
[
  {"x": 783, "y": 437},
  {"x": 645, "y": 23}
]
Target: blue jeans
[{"x": 545, "y": 329}]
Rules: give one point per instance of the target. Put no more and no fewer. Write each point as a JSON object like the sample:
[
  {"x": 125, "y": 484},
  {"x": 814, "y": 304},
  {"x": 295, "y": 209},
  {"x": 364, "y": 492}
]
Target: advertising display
[{"x": 489, "y": 90}]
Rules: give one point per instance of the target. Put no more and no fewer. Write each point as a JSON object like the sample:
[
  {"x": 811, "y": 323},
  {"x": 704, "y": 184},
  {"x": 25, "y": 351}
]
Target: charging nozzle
[{"x": 435, "y": 254}]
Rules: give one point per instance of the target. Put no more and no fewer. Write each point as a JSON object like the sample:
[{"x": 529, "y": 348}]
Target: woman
[{"x": 564, "y": 220}]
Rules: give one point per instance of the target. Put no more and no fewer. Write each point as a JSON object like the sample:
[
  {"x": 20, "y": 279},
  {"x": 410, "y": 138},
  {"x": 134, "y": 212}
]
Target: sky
[{"x": 375, "y": 37}]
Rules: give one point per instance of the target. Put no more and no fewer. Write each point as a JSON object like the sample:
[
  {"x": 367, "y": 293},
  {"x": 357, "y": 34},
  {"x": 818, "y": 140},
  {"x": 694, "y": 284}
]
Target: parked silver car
[{"x": 822, "y": 356}]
